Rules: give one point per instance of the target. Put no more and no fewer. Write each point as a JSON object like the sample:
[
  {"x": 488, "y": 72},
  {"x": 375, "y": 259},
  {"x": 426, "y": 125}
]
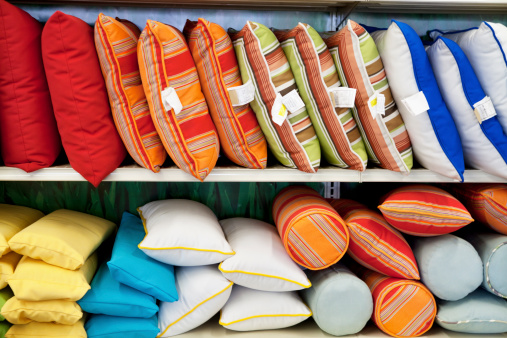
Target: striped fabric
[
  {"x": 241, "y": 137},
  {"x": 386, "y": 137},
  {"x": 313, "y": 234},
  {"x": 315, "y": 72},
  {"x": 262, "y": 61},
  {"x": 402, "y": 308},
  {"x": 190, "y": 137},
  {"x": 345, "y": 206},
  {"x": 423, "y": 210},
  {"x": 116, "y": 44}
]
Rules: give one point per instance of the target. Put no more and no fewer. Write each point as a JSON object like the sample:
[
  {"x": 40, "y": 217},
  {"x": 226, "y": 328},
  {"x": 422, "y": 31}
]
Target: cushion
[
  {"x": 59, "y": 311},
  {"x": 345, "y": 206},
  {"x": 43, "y": 330},
  {"x": 35, "y": 280},
  {"x": 262, "y": 63},
  {"x": 423, "y": 210},
  {"x": 179, "y": 112},
  {"x": 4, "y": 327},
  {"x": 434, "y": 136},
  {"x": 8, "y": 264},
  {"x": 132, "y": 267},
  {"x": 109, "y": 297},
  {"x": 183, "y": 232},
  {"x": 485, "y": 48},
  {"x": 261, "y": 261},
  {"x": 64, "y": 238},
  {"x": 90, "y": 140},
  {"x": 116, "y": 44},
  {"x": 240, "y": 135},
  {"x": 340, "y": 302},
  {"x": 479, "y": 312},
  {"x": 28, "y": 135},
  {"x": 203, "y": 292},
  {"x": 120, "y": 327},
  {"x": 450, "y": 266},
  {"x": 250, "y": 310},
  {"x": 383, "y": 130},
  {"x": 5, "y": 295},
  {"x": 313, "y": 234},
  {"x": 482, "y": 137},
  {"x": 402, "y": 308},
  {"x": 13, "y": 219}
]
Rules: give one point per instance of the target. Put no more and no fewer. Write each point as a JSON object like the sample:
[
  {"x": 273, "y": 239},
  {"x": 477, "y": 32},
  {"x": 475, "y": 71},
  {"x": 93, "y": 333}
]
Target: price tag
[
  {"x": 279, "y": 111},
  {"x": 376, "y": 103},
  {"x": 416, "y": 104},
  {"x": 171, "y": 100},
  {"x": 484, "y": 109},
  {"x": 342, "y": 97},
  {"x": 292, "y": 101},
  {"x": 242, "y": 95}
]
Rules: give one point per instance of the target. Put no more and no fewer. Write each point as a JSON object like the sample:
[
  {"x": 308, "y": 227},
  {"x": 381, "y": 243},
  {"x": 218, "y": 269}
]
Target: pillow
[
  {"x": 179, "y": 112},
  {"x": 109, "y": 297},
  {"x": 261, "y": 261},
  {"x": 58, "y": 311},
  {"x": 116, "y": 45},
  {"x": 64, "y": 238},
  {"x": 483, "y": 139},
  {"x": 79, "y": 98},
  {"x": 345, "y": 206},
  {"x": 479, "y": 312},
  {"x": 262, "y": 63},
  {"x": 120, "y": 327},
  {"x": 423, "y": 210},
  {"x": 8, "y": 264},
  {"x": 241, "y": 137},
  {"x": 183, "y": 233},
  {"x": 43, "y": 330},
  {"x": 35, "y": 280},
  {"x": 5, "y": 295},
  {"x": 340, "y": 302},
  {"x": 28, "y": 135},
  {"x": 402, "y": 308},
  {"x": 250, "y": 310},
  {"x": 315, "y": 75},
  {"x": 383, "y": 130},
  {"x": 203, "y": 292},
  {"x": 450, "y": 266},
  {"x": 13, "y": 219},
  {"x": 4, "y": 327},
  {"x": 436, "y": 142},
  {"x": 313, "y": 234},
  {"x": 485, "y": 47},
  {"x": 132, "y": 267}
]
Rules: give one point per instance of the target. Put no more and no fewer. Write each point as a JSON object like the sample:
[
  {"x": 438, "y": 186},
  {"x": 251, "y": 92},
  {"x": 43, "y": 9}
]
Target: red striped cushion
[{"x": 344, "y": 206}]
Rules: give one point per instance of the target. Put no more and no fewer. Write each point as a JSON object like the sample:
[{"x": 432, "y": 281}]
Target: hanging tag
[
  {"x": 376, "y": 103},
  {"x": 484, "y": 109},
  {"x": 381, "y": 104},
  {"x": 292, "y": 101},
  {"x": 342, "y": 97},
  {"x": 416, "y": 104},
  {"x": 171, "y": 100},
  {"x": 278, "y": 111},
  {"x": 242, "y": 95},
  {"x": 372, "y": 104}
]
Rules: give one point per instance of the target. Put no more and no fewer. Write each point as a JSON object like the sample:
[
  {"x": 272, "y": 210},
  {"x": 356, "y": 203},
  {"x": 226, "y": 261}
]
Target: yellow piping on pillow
[
  {"x": 262, "y": 316},
  {"x": 263, "y": 275}
]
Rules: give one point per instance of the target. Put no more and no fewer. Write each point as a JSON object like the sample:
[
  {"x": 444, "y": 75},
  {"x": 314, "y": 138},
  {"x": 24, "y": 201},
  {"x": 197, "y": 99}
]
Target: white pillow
[
  {"x": 261, "y": 261},
  {"x": 250, "y": 310},
  {"x": 484, "y": 142},
  {"x": 183, "y": 233},
  {"x": 202, "y": 292}
]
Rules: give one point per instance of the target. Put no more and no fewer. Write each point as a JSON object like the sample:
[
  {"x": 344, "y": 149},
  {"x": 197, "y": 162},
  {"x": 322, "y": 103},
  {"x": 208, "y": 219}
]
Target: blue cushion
[
  {"x": 121, "y": 327},
  {"x": 109, "y": 297},
  {"x": 132, "y": 267}
]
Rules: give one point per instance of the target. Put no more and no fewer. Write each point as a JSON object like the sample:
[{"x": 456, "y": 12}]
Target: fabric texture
[
  {"x": 121, "y": 327},
  {"x": 8, "y": 264},
  {"x": 58, "y": 311},
  {"x": 47, "y": 330},
  {"x": 345, "y": 206}
]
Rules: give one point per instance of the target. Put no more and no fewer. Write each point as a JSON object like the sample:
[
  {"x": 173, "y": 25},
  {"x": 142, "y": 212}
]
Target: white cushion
[
  {"x": 202, "y": 292},
  {"x": 183, "y": 233},
  {"x": 261, "y": 261},
  {"x": 250, "y": 310}
]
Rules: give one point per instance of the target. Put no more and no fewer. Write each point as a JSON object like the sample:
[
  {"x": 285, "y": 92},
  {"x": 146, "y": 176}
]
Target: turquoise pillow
[
  {"x": 4, "y": 327},
  {"x": 121, "y": 327},
  {"x": 132, "y": 267},
  {"x": 109, "y": 297}
]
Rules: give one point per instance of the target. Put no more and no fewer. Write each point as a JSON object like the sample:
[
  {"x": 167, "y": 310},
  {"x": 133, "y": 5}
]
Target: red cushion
[
  {"x": 28, "y": 135},
  {"x": 79, "y": 97}
]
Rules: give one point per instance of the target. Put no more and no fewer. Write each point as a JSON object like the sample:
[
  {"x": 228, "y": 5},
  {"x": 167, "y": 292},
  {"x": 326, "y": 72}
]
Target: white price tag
[
  {"x": 171, "y": 100},
  {"x": 416, "y": 104},
  {"x": 484, "y": 109},
  {"x": 292, "y": 101},
  {"x": 377, "y": 103},
  {"x": 342, "y": 97},
  {"x": 278, "y": 111},
  {"x": 242, "y": 95}
]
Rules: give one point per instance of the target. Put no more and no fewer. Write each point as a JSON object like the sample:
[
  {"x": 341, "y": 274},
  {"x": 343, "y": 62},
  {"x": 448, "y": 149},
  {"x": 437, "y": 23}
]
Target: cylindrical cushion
[
  {"x": 312, "y": 232},
  {"x": 449, "y": 266},
  {"x": 402, "y": 307},
  {"x": 340, "y": 302}
]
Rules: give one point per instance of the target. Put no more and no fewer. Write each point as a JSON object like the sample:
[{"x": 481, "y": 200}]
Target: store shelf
[{"x": 434, "y": 6}]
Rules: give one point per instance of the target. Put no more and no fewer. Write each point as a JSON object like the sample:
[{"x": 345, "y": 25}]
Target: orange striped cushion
[
  {"x": 313, "y": 234},
  {"x": 116, "y": 44},
  {"x": 240, "y": 135},
  {"x": 423, "y": 210},
  {"x": 189, "y": 137},
  {"x": 344, "y": 206},
  {"x": 402, "y": 308}
]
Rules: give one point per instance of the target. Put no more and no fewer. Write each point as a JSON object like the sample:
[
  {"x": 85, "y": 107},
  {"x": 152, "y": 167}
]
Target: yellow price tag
[
  {"x": 373, "y": 102},
  {"x": 283, "y": 111}
]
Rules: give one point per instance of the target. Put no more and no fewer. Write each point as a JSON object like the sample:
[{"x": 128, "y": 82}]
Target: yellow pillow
[
  {"x": 63, "y": 238},
  {"x": 8, "y": 264},
  {"x": 41, "y": 330},
  {"x": 13, "y": 219},
  {"x": 59, "y": 311},
  {"x": 35, "y": 280}
]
